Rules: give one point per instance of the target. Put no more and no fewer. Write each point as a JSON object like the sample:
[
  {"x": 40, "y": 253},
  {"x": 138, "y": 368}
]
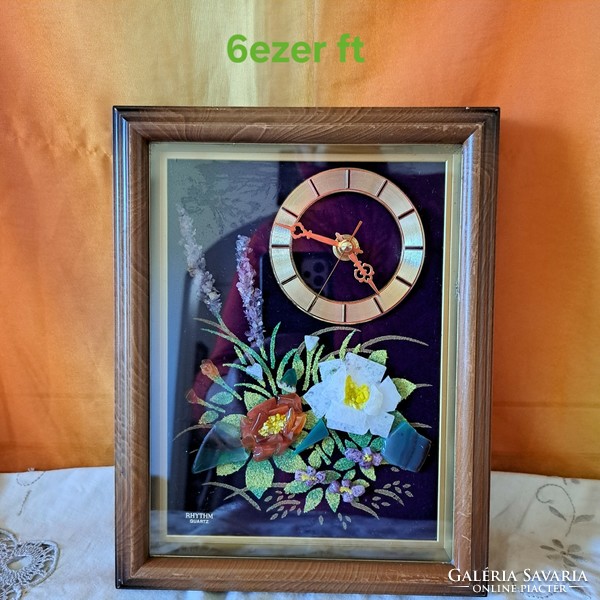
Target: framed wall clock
[{"x": 304, "y": 311}]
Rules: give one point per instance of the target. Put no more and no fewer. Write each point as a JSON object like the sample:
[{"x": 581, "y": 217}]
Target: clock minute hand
[
  {"x": 363, "y": 272},
  {"x": 299, "y": 231}
]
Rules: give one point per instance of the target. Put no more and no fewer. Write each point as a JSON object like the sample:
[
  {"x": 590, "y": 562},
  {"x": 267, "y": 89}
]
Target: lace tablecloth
[{"x": 58, "y": 539}]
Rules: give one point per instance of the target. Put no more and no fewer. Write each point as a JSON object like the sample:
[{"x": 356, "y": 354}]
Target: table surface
[{"x": 538, "y": 524}]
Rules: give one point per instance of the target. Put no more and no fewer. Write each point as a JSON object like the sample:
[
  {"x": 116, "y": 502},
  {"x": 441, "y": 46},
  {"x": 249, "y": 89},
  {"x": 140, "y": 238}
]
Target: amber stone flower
[
  {"x": 271, "y": 426},
  {"x": 209, "y": 369}
]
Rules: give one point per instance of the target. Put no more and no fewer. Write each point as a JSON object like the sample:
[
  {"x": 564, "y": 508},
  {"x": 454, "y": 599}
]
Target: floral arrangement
[{"x": 308, "y": 426}]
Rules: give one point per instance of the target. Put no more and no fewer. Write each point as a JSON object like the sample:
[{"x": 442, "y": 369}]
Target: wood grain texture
[{"x": 134, "y": 128}]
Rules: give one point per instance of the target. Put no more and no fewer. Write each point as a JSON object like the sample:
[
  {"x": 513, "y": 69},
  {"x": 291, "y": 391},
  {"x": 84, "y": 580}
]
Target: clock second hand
[{"x": 337, "y": 263}]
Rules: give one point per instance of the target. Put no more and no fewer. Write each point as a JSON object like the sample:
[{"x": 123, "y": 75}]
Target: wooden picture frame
[{"x": 465, "y": 142}]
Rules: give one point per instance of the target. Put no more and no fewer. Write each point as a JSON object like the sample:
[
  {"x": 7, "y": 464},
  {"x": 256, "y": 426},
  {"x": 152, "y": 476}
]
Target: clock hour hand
[
  {"x": 299, "y": 231},
  {"x": 363, "y": 272}
]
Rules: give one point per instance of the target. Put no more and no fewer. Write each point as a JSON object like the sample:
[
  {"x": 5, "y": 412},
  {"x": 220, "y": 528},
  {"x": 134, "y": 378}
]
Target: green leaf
[
  {"x": 379, "y": 356},
  {"x": 314, "y": 459},
  {"x": 361, "y": 482},
  {"x": 343, "y": 464},
  {"x": 240, "y": 355},
  {"x": 259, "y": 477},
  {"x": 344, "y": 346},
  {"x": 289, "y": 461},
  {"x": 331, "y": 476},
  {"x": 252, "y": 399},
  {"x": 315, "y": 367},
  {"x": 313, "y": 498},
  {"x": 333, "y": 500},
  {"x": 377, "y": 444},
  {"x": 362, "y": 440},
  {"x": 356, "y": 349},
  {"x": 284, "y": 361},
  {"x": 369, "y": 472},
  {"x": 221, "y": 398},
  {"x": 272, "y": 348},
  {"x": 229, "y": 468},
  {"x": 296, "y": 487},
  {"x": 351, "y": 474},
  {"x": 328, "y": 446},
  {"x": 234, "y": 419},
  {"x": 209, "y": 416},
  {"x": 298, "y": 366},
  {"x": 310, "y": 420},
  {"x": 405, "y": 388}
]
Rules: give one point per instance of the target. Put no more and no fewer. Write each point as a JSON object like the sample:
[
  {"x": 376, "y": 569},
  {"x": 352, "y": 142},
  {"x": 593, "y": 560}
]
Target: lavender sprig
[
  {"x": 252, "y": 300},
  {"x": 196, "y": 264}
]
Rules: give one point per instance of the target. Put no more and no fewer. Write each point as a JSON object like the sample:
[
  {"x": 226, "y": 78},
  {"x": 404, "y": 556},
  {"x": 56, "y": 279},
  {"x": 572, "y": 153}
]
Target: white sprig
[
  {"x": 252, "y": 299},
  {"x": 196, "y": 263}
]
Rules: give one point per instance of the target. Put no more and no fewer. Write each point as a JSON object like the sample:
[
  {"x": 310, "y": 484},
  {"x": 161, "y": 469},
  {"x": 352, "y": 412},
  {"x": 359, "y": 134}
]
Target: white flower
[{"x": 352, "y": 396}]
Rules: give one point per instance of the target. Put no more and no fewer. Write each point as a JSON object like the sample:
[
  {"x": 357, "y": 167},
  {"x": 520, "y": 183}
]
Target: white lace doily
[{"x": 24, "y": 564}]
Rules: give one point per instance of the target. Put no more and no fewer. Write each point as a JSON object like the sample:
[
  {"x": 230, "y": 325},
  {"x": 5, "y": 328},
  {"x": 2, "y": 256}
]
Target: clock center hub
[{"x": 347, "y": 244}]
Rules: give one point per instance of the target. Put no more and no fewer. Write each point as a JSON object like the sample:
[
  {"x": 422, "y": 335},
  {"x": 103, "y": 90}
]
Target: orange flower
[
  {"x": 271, "y": 426},
  {"x": 208, "y": 368}
]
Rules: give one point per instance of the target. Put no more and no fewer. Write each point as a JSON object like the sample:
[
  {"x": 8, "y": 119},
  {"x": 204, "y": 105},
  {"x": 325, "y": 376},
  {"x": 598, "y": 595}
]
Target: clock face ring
[{"x": 338, "y": 240}]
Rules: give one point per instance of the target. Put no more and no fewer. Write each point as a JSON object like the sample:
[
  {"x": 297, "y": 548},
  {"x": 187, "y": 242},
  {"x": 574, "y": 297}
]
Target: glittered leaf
[
  {"x": 298, "y": 366},
  {"x": 405, "y": 388},
  {"x": 362, "y": 440},
  {"x": 351, "y": 474},
  {"x": 557, "y": 513},
  {"x": 356, "y": 349},
  {"x": 362, "y": 482},
  {"x": 230, "y": 468},
  {"x": 296, "y": 487},
  {"x": 234, "y": 419},
  {"x": 328, "y": 446},
  {"x": 311, "y": 420},
  {"x": 315, "y": 367},
  {"x": 314, "y": 459},
  {"x": 344, "y": 346},
  {"x": 313, "y": 498},
  {"x": 333, "y": 500},
  {"x": 289, "y": 461},
  {"x": 331, "y": 476},
  {"x": 259, "y": 477},
  {"x": 369, "y": 472},
  {"x": 251, "y": 399},
  {"x": 343, "y": 464},
  {"x": 377, "y": 444},
  {"x": 221, "y": 398},
  {"x": 379, "y": 356},
  {"x": 209, "y": 416}
]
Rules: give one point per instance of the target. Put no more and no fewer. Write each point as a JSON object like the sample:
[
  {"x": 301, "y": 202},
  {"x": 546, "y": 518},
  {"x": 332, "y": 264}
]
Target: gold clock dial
[{"x": 360, "y": 252}]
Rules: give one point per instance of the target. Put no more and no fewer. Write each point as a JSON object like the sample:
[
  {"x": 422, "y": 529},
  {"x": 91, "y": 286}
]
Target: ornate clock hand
[
  {"x": 338, "y": 260},
  {"x": 363, "y": 272},
  {"x": 299, "y": 231}
]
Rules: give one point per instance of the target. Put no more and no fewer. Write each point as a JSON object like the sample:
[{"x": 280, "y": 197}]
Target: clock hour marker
[
  {"x": 377, "y": 301},
  {"x": 381, "y": 187},
  {"x": 289, "y": 279},
  {"x": 344, "y": 307},
  {"x": 413, "y": 247},
  {"x": 289, "y": 212},
  {"x": 279, "y": 246},
  {"x": 312, "y": 303},
  {"x": 347, "y": 179},
  {"x": 404, "y": 281},
  {"x": 314, "y": 187},
  {"x": 405, "y": 214}
]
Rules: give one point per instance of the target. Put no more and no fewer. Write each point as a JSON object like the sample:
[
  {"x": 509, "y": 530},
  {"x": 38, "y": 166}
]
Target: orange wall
[{"x": 62, "y": 67}]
